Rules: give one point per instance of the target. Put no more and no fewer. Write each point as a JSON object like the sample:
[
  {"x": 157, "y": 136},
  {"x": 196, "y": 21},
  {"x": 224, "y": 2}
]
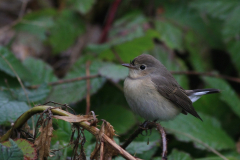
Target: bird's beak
[{"x": 128, "y": 65}]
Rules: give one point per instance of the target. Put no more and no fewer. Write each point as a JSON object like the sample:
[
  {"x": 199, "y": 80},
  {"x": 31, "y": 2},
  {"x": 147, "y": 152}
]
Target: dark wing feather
[{"x": 171, "y": 90}]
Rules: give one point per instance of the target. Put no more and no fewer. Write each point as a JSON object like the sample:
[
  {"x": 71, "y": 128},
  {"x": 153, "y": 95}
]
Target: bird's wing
[{"x": 171, "y": 90}]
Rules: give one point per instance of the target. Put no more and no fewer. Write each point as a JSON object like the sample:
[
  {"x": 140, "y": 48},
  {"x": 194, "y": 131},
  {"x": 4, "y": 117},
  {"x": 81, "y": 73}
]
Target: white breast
[{"x": 144, "y": 99}]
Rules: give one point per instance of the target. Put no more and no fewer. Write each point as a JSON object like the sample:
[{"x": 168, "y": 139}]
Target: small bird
[{"x": 152, "y": 92}]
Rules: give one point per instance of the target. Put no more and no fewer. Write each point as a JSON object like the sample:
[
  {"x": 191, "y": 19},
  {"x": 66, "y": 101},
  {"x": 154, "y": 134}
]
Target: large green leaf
[
  {"x": 10, "y": 109},
  {"x": 114, "y": 72},
  {"x": 40, "y": 71},
  {"x": 25, "y": 146},
  {"x": 120, "y": 118},
  {"x": 206, "y": 134},
  {"x": 11, "y": 153},
  {"x": 177, "y": 155},
  {"x": 83, "y": 6},
  {"x": 228, "y": 95},
  {"x": 131, "y": 49},
  {"x": 234, "y": 47},
  {"x": 34, "y": 95},
  {"x": 216, "y": 8},
  {"x": 37, "y": 22},
  {"x": 65, "y": 30},
  {"x": 170, "y": 34},
  {"x": 75, "y": 91},
  {"x": 19, "y": 68}
]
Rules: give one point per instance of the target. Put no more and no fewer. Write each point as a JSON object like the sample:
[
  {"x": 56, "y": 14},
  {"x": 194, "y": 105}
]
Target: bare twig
[
  {"x": 110, "y": 18},
  {"x": 116, "y": 55},
  {"x": 208, "y": 74},
  {"x": 67, "y": 81},
  {"x": 88, "y": 87},
  {"x": 23, "y": 8},
  {"x": 21, "y": 14}
]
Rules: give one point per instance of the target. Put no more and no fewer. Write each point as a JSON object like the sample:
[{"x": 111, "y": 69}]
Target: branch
[
  {"x": 209, "y": 74},
  {"x": 56, "y": 111},
  {"x": 67, "y": 81},
  {"x": 110, "y": 17}
]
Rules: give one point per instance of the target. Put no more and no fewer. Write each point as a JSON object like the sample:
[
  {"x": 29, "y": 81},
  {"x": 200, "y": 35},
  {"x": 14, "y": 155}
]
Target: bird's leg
[{"x": 164, "y": 141}]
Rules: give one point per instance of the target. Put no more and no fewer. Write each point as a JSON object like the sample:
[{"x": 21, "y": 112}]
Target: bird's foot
[{"x": 145, "y": 128}]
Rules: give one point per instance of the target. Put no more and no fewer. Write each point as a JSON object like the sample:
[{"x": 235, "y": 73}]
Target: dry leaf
[
  {"x": 108, "y": 150},
  {"x": 44, "y": 140},
  {"x": 73, "y": 118}
]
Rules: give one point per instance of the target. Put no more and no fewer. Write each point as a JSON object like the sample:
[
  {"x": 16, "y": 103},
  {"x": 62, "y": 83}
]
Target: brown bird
[{"x": 152, "y": 92}]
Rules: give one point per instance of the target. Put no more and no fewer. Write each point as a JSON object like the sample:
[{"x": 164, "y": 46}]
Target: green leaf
[
  {"x": 216, "y": 158},
  {"x": 121, "y": 114},
  {"x": 234, "y": 47},
  {"x": 67, "y": 27},
  {"x": 37, "y": 22},
  {"x": 113, "y": 72},
  {"x": 216, "y": 8},
  {"x": 34, "y": 95},
  {"x": 10, "y": 109},
  {"x": 227, "y": 94},
  {"x": 19, "y": 68},
  {"x": 136, "y": 47},
  {"x": 142, "y": 148},
  {"x": 83, "y": 6},
  {"x": 40, "y": 71},
  {"x": 10, "y": 153},
  {"x": 231, "y": 27},
  {"x": 26, "y": 147},
  {"x": 75, "y": 91},
  {"x": 171, "y": 35},
  {"x": 177, "y": 155},
  {"x": 207, "y": 133}
]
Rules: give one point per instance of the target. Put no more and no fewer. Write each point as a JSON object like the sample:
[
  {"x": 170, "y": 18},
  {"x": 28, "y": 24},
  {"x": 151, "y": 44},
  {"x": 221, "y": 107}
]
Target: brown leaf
[
  {"x": 108, "y": 150},
  {"x": 73, "y": 118},
  {"x": 44, "y": 140},
  {"x": 238, "y": 146}
]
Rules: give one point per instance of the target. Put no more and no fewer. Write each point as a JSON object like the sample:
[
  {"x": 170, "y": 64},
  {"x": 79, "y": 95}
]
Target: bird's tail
[{"x": 197, "y": 93}]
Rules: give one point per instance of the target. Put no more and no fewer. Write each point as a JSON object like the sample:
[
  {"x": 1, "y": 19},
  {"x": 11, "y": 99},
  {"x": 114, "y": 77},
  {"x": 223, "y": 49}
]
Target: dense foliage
[{"x": 56, "y": 40}]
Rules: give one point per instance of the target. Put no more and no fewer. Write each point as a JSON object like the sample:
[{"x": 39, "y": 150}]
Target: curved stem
[{"x": 56, "y": 111}]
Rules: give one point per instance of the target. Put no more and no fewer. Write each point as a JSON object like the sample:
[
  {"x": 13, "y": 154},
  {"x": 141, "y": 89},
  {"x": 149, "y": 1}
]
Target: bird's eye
[{"x": 142, "y": 67}]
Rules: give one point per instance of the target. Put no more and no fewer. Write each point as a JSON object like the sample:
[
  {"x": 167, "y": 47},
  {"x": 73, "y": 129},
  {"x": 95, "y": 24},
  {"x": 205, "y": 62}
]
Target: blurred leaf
[
  {"x": 75, "y": 91},
  {"x": 170, "y": 34},
  {"x": 120, "y": 118},
  {"x": 59, "y": 154},
  {"x": 83, "y": 6},
  {"x": 40, "y": 71},
  {"x": 67, "y": 27},
  {"x": 227, "y": 94},
  {"x": 114, "y": 72},
  {"x": 19, "y": 68},
  {"x": 138, "y": 148},
  {"x": 177, "y": 155},
  {"x": 10, "y": 109},
  {"x": 62, "y": 133},
  {"x": 216, "y": 158},
  {"x": 234, "y": 48},
  {"x": 25, "y": 146},
  {"x": 131, "y": 49},
  {"x": 231, "y": 26},
  {"x": 10, "y": 153},
  {"x": 34, "y": 95},
  {"x": 37, "y": 22},
  {"x": 209, "y": 132},
  {"x": 215, "y": 8}
]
